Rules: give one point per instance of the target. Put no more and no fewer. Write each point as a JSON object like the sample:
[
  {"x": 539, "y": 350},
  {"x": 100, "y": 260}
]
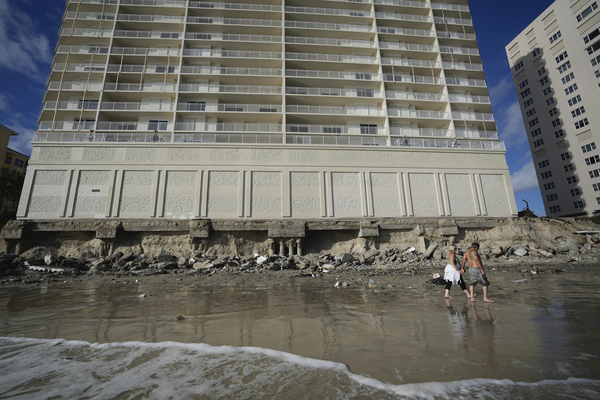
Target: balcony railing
[
  {"x": 225, "y": 138},
  {"x": 170, "y": 3},
  {"x": 472, "y": 116},
  {"x": 222, "y": 107},
  {"x": 136, "y": 106},
  {"x": 328, "y": 26},
  {"x": 462, "y": 66},
  {"x": 150, "y": 18},
  {"x": 407, "y": 46},
  {"x": 407, "y": 62},
  {"x": 304, "y": 73},
  {"x": 449, "y": 144},
  {"x": 413, "y": 79},
  {"x": 466, "y": 82},
  {"x": 140, "y": 87},
  {"x": 110, "y": 2},
  {"x": 226, "y": 127},
  {"x": 82, "y": 49},
  {"x": 101, "y": 137},
  {"x": 71, "y": 105},
  {"x": 459, "y": 50},
  {"x": 404, "y": 17},
  {"x": 206, "y": 88},
  {"x": 329, "y": 11},
  {"x": 363, "y": 111},
  {"x": 103, "y": 126},
  {"x": 404, "y": 3},
  {"x": 233, "y": 37},
  {"x": 90, "y": 15},
  {"x": 143, "y": 51},
  {"x": 404, "y": 113},
  {"x": 462, "y": 98},
  {"x": 329, "y": 42},
  {"x": 368, "y": 93},
  {"x": 343, "y": 58},
  {"x": 415, "y": 96},
  {"x": 456, "y": 35},
  {"x": 234, "y": 21},
  {"x": 448, "y": 6},
  {"x": 231, "y": 53},
  {"x": 79, "y": 86},
  {"x": 138, "y": 69},
  {"x": 407, "y": 32},
  {"x": 235, "y": 6},
  {"x": 442, "y": 133},
  {"x": 81, "y": 67},
  {"x": 336, "y": 140},
  {"x": 453, "y": 21},
  {"x": 337, "y": 129},
  {"x": 87, "y": 32},
  {"x": 206, "y": 70},
  {"x": 148, "y": 34}
]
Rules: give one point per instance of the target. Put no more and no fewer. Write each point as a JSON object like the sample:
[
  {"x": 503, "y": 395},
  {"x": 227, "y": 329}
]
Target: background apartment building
[
  {"x": 555, "y": 67},
  {"x": 266, "y": 109}
]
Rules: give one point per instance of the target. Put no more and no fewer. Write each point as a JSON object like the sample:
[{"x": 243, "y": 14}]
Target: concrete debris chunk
[
  {"x": 521, "y": 252},
  {"x": 345, "y": 257},
  {"x": 429, "y": 251},
  {"x": 261, "y": 260}
]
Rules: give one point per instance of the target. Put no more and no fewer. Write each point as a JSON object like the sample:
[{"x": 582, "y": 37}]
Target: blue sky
[{"x": 29, "y": 30}]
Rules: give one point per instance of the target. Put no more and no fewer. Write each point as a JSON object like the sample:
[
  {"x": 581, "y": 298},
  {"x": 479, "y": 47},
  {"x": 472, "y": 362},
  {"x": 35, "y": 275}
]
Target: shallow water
[{"x": 395, "y": 341}]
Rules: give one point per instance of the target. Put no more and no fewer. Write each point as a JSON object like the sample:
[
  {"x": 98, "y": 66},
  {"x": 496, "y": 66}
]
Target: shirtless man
[{"x": 476, "y": 273}]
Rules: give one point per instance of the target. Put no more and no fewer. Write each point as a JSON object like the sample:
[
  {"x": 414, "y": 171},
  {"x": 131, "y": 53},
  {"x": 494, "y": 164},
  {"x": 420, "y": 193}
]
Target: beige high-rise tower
[
  {"x": 556, "y": 65},
  {"x": 266, "y": 109}
]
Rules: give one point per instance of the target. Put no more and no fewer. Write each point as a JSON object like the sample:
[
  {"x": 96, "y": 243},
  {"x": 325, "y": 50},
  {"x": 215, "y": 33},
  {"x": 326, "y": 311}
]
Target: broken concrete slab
[{"x": 430, "y": 251}]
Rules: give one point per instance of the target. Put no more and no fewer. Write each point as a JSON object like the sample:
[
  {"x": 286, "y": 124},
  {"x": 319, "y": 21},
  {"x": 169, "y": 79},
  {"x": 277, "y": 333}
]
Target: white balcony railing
[
  {"x": 231, "y": 53},
  {"x": 107, "y": 2},
  {"x": 456, "y": 35},
  {"x": 136, "y": 106},
  {"x": 304, "y": 73},
  {"x": 90, "y": 15},
  {"x": 403, "y": 3},
  {"x": 79, "y": 86},
  {"x": 472, "y": 116},
  {"x": 206, "y": 88},
  {"x": 206, "y": 70},
  {"x": 396, "y": 95},
  {"x": 144, "y": 51},
  {"x": 337, "y": 129},
  {"x": 427, "y": 114},
  {"x": 245, "y": 138},
  {"x": 150, "y": 18},
  {"x": 329, "y": 11},
  {"x": 164, "y": 3},
  {"x": 466, "y": 82},
  {"x": 329, "y": 42},
  {"x": 82, "y": 49},
  {"x": 453, "y": 21},
  {"x": 335, "y": 140},
  {"x": 234, "y": 21},
  {"x": 226, "y": 127},
  {"x": 147, "y": 34},
  {"x": 407, "y": 46},
  {"x": 223, "y": 107},
  {"x": 363, "y": 111},
  {"x": 147, "y": 69},
  {"x": 101, "y": 137},
  {"x": 407, "y": 32},
  {"x": 235, "y": 6},
  {"x": 140, "y": 87},
  {"x": 459, "y": 50},
  {"x": 414, "y": 79},
  {"x": 328, "y": 26},
  {"x": 462, "y": 98},
  {"x": 343, "y": 58},
  {"x": 462, "y": 66},
  {"x": 448, "y": 6},
  {"x": 233, "y": 37},
  {"x": 449, "y": 144},
  {"x": 404, "y": 17},
  {"x": 368, "y": 93},
  {"x": 80, "y": 67},
  {"x": 71, "y": 105},
  {"x": 407, "y": 62}
]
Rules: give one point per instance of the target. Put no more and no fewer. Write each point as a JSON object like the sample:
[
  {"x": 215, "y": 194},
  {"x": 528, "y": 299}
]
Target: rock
[
  {"x": 344, "y": 257},
  {"x": 138, "y": 258},
  {"x": 568, "y": 247},
  {"x": 543, "y": 253},
  {"x": 371, "y": 253},
  {"x": 422, "y": 245},
  {"x": 429, "y": 251},
  {"x": 180, "y": 317},
  {"x": 261, "y": 260},
  {"x": 203, "y": 265},
  {"x": 409, "y": 250},
  {"x": 418, "y": 231},
  {"x": 497, "y": 251},
  {"x": 182, "y": 262},
  {"x": 437, "y": 255},
  {"x": 521, "y": 252}
]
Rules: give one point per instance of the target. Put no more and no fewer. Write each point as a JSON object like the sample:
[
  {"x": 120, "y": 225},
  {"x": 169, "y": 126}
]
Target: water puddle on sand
[{"x": 398, "y": 332}]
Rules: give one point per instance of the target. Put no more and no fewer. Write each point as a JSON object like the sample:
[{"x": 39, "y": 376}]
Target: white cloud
[
  {"x": 525, "y": 178},
  {"x": 4, "y": 102},
  {"x": 23, "y": 47},
  {"x": 501, "y": 89},
  {"x": 511, "y": 126}
]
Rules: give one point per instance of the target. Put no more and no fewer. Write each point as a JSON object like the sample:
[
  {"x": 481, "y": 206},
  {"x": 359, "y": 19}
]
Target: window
[
  {"x": 568, "y": 167},
  {"x": 597, "y": 73},
  {"x": 567, "y": 78},
  {"x": 578, "y": 111},
  {"x": 565, "y": 156},
  {"x": 87, "y": 105},
  {"x": 586, "y": 12},
  {"x": 525, "y": 93},
  {"x": 571, "y": 89},
  {"x": 364, "y": 75},
  {"x": 367, "y": 129},
  {"x": 555, "y": 37},
  {"x": 588, "y": 147},
  {"x": 578, "y": 204},
  {"x": 556, "y": 122},
  {"x": 552, "y": 197},
  {"x": 365, "y": 92},
  {"x": 564, "y": 67},
  {"x": 541, "y": 71},
  {"x": 575, "y": 192},
  {"x": 550, "y": 101},
  {"x": 19, "y": 163},
  {"x": 582, "y": 123},
  {"x": 156, "y": 125},
  {"x": 523, "y": 84},
  {"x": 536, "y": 51},
  {"x": 544, "y": 80},
  {"x": 332, "y": 129},
  {"x": 595, "y": 173},
  {"x": 592, "y": 49},
  {"x": 543, "y": 164},
  {"x": 591, "y": 36},
  {"x": 596, "y": 187},
  {"x": 546, "y": 175},
  {"x": 595, "y": 61},
  {"x": 553, "y": 112},
  {"x": 84, "y": 123},
  {"x": 530, "y": 113},
  {"x": 536, "y": 132},
  {"x": 533, "y": 122},
  {"x": 518, "y": 65},
  {"x": 571, "y": 180},
  {"x": 548, "y": 186},
  {"x": 559, "y": 133},
  {"x": 528, "y": 103},
  {"x": 575, "y": 100},
  {"x": 547, "y": 91},
  {"x": 561, "y": 57},
  {"x": 196, "y": 106},
  {"x": 554, "y": 209},
  {"x": 8, "y": 160}
]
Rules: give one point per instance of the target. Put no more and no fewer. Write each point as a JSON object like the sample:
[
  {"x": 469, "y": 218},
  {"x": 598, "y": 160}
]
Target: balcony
[
  {"x": 404, "y": 17},
  {"x": 453, "y": 21},
  {"x": 143, "y": 87},
  {"x": 394, "y": 95},
  {"x": 222, "y": 107},
  {"x": 81, "y": 67},
  {"x": 448, "y": 6},
  {"x": 233, "y": 37},
  {"x": 101, "y": 137},
  {"x": 109, "y": 2},
  {"x": 165, "y": 3},
  {"x": 449, "y": 144},
  {"x": 337, "y": 129},
  {"x": 425, "y": 114},
  {"x": 227, "y": 138},
  {"x": 403, "y": 3},
  {"x": 368, "y": 93},
  {"x": 102, "y": 126},
  {"x": 82, "y": 49},
  {"x": 431, "y": 80},
  {"x": 407, "y": 62},
  {"x": 234, "y": 21},
  {"x": 304, "y": 73},
  {"x": 136, "y": 106},
  {"x": 90, "y": 15},
  {"x": 206, "y": 70},
  {"x": 406, "y": 32},
  {"x": 456, "y": 35},
  {"x": 147, "y": 34},
  {"x": 328, "y": 26},
  {"x": 346, "y": 111},
  {"x": 329, "y": 11},
  {"x": 144, "y": 51},
  {"x": 78, "y": 86},
  {"x": 206, "y": 88},
  {"x": 466, "y": 82},
  {"x": 71, "y": 105},
  {"x": 462, "y": 66},
  {"x": 330, "y": 42},
  {"x": 147, "y": 69},
  {"x": 150, "y": 18},
  {"x": 343, "y": 58},
  {"x": 232, "y": 54},
  {"x": 472, "y": 116},
  {"x": 235, "y": 6},
  {"x": 335, "y": 140},
  {"x": 407, "y": 46},
  {"x": 459, "y": 50},
  {"x": 461, "y": 98},
  {"x": 226, "y": 127}
]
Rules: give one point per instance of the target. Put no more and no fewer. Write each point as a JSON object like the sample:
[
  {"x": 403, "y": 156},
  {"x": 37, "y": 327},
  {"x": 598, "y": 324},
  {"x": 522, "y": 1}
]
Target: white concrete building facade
[
  {"x": 556, "y": 69},
  {"x": 266, "y": 109}
]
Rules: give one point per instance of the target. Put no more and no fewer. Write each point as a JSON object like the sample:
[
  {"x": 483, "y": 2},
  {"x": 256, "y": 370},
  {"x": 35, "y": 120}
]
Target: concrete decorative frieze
[
  {"x": 45, "y": 204},
  {"x": 426, "y": 206},
  {"x": 49, "y": 178},
  {"x": 266, "y": 179},
  {"x": 304, "y": 179},
  {"x": 494, "y": 194},
  {"x": 304, "y": 156},
  {"x": 224, "y": 155},
  {"x": 188, "y": 155},
  {"x": 95, "y": 178},
  {"x": 265, "y": 155},
  {"x": 337, "y": 157},
  {"x": 179, "y": 204},
  {"x": 135, "y": 204},
  {"x": 421, "y": 181},
  {"x": 55, "y": 154},
  {"x": 270, "y": 205},
  {"x": 389, "y": 205},
  {"x": 181, "y": 178},
  {"x": 137, "y": 178},
  {"x": 345, "y": 179},
  {"x": 222, "y": 205},
  {"x": 460, "y": 194},
  {"x": 90, "y": 204},
  {"x": 141, "y": 154},
  {"x": 219, "y": 178},
  {"x": 384, "y": 179},
  {"x": 347, "y": 205},
  {"x": 306, "y": 205},
  {"x": 98, "y": 154}
]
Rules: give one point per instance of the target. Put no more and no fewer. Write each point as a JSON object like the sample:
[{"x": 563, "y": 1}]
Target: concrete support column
[
  {"x": 290, "y": 244},
  {"x": 299, "y": 247},
  {"x": 281, "y": 248},
  {"x": 19, "y": 249},
  {"x": 271, "y": 245}
]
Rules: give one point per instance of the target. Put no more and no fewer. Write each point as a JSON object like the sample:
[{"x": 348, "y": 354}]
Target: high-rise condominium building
[
  {"x": 266, "y": 109},
  {"x": 556, "y": 66}
]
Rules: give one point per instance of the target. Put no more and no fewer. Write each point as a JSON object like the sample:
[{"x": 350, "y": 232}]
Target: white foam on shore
[{"x": 61, "y": 369}]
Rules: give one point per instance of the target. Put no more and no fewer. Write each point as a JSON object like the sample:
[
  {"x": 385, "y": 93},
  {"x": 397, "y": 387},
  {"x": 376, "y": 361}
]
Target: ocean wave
[{"x": 62, "y": 369}]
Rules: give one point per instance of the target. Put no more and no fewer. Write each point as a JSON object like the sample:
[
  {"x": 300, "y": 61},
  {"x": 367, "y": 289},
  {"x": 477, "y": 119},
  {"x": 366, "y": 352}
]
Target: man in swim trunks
[{"x": 476, "y": 273}]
